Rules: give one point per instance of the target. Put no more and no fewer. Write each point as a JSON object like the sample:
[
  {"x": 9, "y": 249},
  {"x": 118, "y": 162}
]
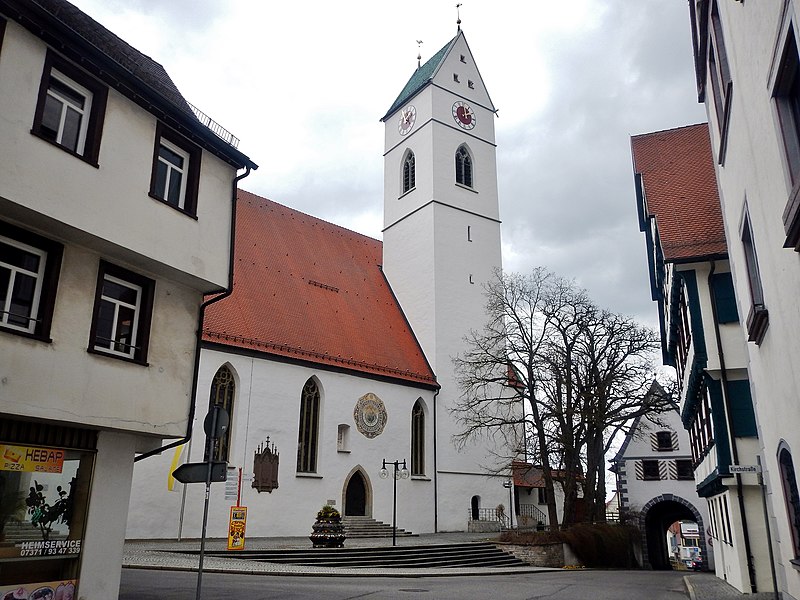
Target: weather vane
[
  {"x": 419, "y": 53},
  {"x": 458, "y": 14}
]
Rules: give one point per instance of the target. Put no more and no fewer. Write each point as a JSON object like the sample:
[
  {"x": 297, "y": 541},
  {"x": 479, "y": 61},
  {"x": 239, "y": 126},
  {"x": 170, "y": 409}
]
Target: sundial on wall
[{"x": 370, "y": 415}]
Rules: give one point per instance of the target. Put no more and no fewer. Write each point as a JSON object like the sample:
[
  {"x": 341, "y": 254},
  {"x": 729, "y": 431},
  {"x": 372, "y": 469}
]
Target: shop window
[
  {"x": 44, "y": 495},
  {"x": 70, "y": 109}
]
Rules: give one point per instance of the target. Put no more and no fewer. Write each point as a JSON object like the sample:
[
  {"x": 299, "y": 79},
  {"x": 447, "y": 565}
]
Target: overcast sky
[{"x": 304, "y": 84}]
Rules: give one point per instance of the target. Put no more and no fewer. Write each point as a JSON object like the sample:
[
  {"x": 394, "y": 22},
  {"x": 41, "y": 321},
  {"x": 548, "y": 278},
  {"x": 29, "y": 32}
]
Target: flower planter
[{"x": 328, "y": 531}]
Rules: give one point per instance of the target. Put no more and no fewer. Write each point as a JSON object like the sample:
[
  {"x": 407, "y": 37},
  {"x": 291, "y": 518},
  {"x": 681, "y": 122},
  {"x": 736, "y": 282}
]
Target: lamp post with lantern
[{"x": 398, "y": 472}]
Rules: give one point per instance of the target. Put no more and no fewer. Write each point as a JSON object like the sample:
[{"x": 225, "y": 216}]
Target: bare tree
[{"x": 549, "y": 361}]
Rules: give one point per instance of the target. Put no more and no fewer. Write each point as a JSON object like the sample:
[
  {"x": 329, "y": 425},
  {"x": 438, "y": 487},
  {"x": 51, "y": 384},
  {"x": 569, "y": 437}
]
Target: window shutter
[{"x": 725, "y": 298}]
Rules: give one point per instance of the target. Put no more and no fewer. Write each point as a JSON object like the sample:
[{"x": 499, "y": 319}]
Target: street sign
[
  {"x": 197, "y": 472},
  {"x": 216, "y": 422},
  {"x": 745, "y": 468}
]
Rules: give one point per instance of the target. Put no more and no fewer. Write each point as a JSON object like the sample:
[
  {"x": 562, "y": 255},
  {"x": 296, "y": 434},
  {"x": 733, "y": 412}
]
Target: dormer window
[
  {"x": 463, "y": 59},
  {"x": 470, "y": 84},
  {"x": 455, "y": 77}
]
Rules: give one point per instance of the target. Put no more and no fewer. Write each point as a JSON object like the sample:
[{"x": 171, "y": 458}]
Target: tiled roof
[
  {"x": 106, "y": 56},
  {"x": 138, "y": 64},
  {"x": 308, "y": 290},
  {"x": 680, "y": 188},
  {"x": 420, "y": 77}
]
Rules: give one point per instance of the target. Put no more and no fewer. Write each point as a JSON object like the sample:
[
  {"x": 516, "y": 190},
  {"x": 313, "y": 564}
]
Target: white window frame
[
  {"x": 172, "y": 167},
  {"x": 37, "y": 294},
  {"x": 137, "y": 311},
  {"x": 85, "y": 112}
]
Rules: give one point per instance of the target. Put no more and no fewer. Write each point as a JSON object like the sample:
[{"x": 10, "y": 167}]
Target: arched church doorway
[
  {"x": 658, "y": 519},
  {"x": 356, "y": 495},
  {"x": 475, "y": 505}
]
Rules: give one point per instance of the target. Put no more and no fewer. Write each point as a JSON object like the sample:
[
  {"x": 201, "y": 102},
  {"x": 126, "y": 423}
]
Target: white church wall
[{"x": 267, "y": 403}]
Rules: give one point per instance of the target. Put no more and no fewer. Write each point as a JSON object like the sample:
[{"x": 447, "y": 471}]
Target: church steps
[
  {"x": 367, "y": 527},
  {"x": 473, "y": 554}
]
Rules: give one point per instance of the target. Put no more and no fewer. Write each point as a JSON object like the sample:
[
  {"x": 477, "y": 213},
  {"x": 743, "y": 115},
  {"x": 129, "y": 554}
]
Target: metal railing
[
  {"x": 215, "y": 127},
  {"x": 531, "y": 515},
  {"x": 490, "y": 514}
]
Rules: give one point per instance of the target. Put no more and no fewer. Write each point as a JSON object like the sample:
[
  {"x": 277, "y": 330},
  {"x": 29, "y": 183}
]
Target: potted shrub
[{"x": 328, "y": 531}]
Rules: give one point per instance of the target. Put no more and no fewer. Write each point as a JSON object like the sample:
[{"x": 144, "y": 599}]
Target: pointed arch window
[
  {"x": 790, "y": 494},
  {"x": 308, "y": 432},
  {"x": 417, "y": 439},
  {"x": 409, "y": 172},
  {"x": 223, "y": 389},
  {"x": 463, "y": 167}
]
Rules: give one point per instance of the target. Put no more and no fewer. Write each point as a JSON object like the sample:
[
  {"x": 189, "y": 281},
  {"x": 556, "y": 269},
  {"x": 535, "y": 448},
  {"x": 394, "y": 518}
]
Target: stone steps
[
  {"x": 462, "y": 555},
  {"x": 367, "y": 527}
]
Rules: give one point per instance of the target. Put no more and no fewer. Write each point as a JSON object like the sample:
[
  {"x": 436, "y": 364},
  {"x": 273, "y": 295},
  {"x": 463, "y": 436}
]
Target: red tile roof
[
  {"x": 309, "y": 290},
  {"x": 680, "y": 188}
]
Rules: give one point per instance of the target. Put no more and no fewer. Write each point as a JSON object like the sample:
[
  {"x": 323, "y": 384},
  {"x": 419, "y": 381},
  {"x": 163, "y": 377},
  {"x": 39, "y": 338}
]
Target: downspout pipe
[
  {"x": 200, "y": 319},
  {"x": 751, "y": 572},
  {"x": 435, "y": 468}
]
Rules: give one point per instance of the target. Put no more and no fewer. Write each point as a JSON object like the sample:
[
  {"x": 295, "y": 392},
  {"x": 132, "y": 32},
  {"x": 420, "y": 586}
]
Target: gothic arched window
[
  {"x": 417, "y": 439},
  {"x": 409, "y": 172},
  {"x": 222, "y": 392},
  {"x": 308, "y": 431},
  {"x": 791, "y": 496},
  {"x": 463, "y": 167}
]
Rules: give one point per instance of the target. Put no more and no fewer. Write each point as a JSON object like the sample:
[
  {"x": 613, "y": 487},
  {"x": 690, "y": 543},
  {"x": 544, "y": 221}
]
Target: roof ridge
[
  {"x": 421, "y": 76},
  {"x": 662, "y": 131},
  {"x": 312, "y": 217}
]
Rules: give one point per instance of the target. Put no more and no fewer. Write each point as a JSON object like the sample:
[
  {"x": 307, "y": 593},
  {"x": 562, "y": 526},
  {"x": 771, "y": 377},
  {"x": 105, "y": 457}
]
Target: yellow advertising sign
[
  {"x": 31, "y": 459},
  {"x": 236, "y": 528}
]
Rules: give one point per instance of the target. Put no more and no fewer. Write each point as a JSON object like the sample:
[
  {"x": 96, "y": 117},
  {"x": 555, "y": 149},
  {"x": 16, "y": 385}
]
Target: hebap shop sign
[{"x": 31, "y": 459}]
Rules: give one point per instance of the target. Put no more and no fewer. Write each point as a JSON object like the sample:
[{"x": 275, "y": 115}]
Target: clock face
[
  {"x": 463, "y": 115},
  {"x": 407, "y": 117}
]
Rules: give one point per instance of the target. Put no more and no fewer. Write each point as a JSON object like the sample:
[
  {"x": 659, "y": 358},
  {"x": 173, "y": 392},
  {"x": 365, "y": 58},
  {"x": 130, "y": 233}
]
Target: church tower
[{"x": 441, "y": 242}]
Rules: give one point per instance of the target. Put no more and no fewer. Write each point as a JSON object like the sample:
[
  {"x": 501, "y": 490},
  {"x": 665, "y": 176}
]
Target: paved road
[{"x": 141, "y": 584}]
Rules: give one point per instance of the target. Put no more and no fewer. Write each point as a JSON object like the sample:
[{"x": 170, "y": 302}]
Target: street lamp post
[
  {"x": 510, "y": 485},
  {"x": 398, "y": 473}
]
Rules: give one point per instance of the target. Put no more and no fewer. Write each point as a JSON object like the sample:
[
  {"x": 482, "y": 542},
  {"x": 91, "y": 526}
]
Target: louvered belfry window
[
  {"x": 308, "y": 432},
  {"x": 463, "y": 167},
  {"x": 409, "y": 172}
]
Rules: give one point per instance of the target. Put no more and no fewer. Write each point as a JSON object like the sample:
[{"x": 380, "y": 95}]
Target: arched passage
[
  {"x": 357, "y": 495},
  {"x": 657, "y": 515}
]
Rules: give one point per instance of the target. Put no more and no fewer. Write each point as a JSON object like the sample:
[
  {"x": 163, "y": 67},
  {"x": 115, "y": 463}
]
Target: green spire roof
[{"x": 421, "y": 77}]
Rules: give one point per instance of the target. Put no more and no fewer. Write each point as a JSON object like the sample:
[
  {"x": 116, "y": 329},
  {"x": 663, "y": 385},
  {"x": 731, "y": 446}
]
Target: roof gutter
[{"x": 201, "y": 317}]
